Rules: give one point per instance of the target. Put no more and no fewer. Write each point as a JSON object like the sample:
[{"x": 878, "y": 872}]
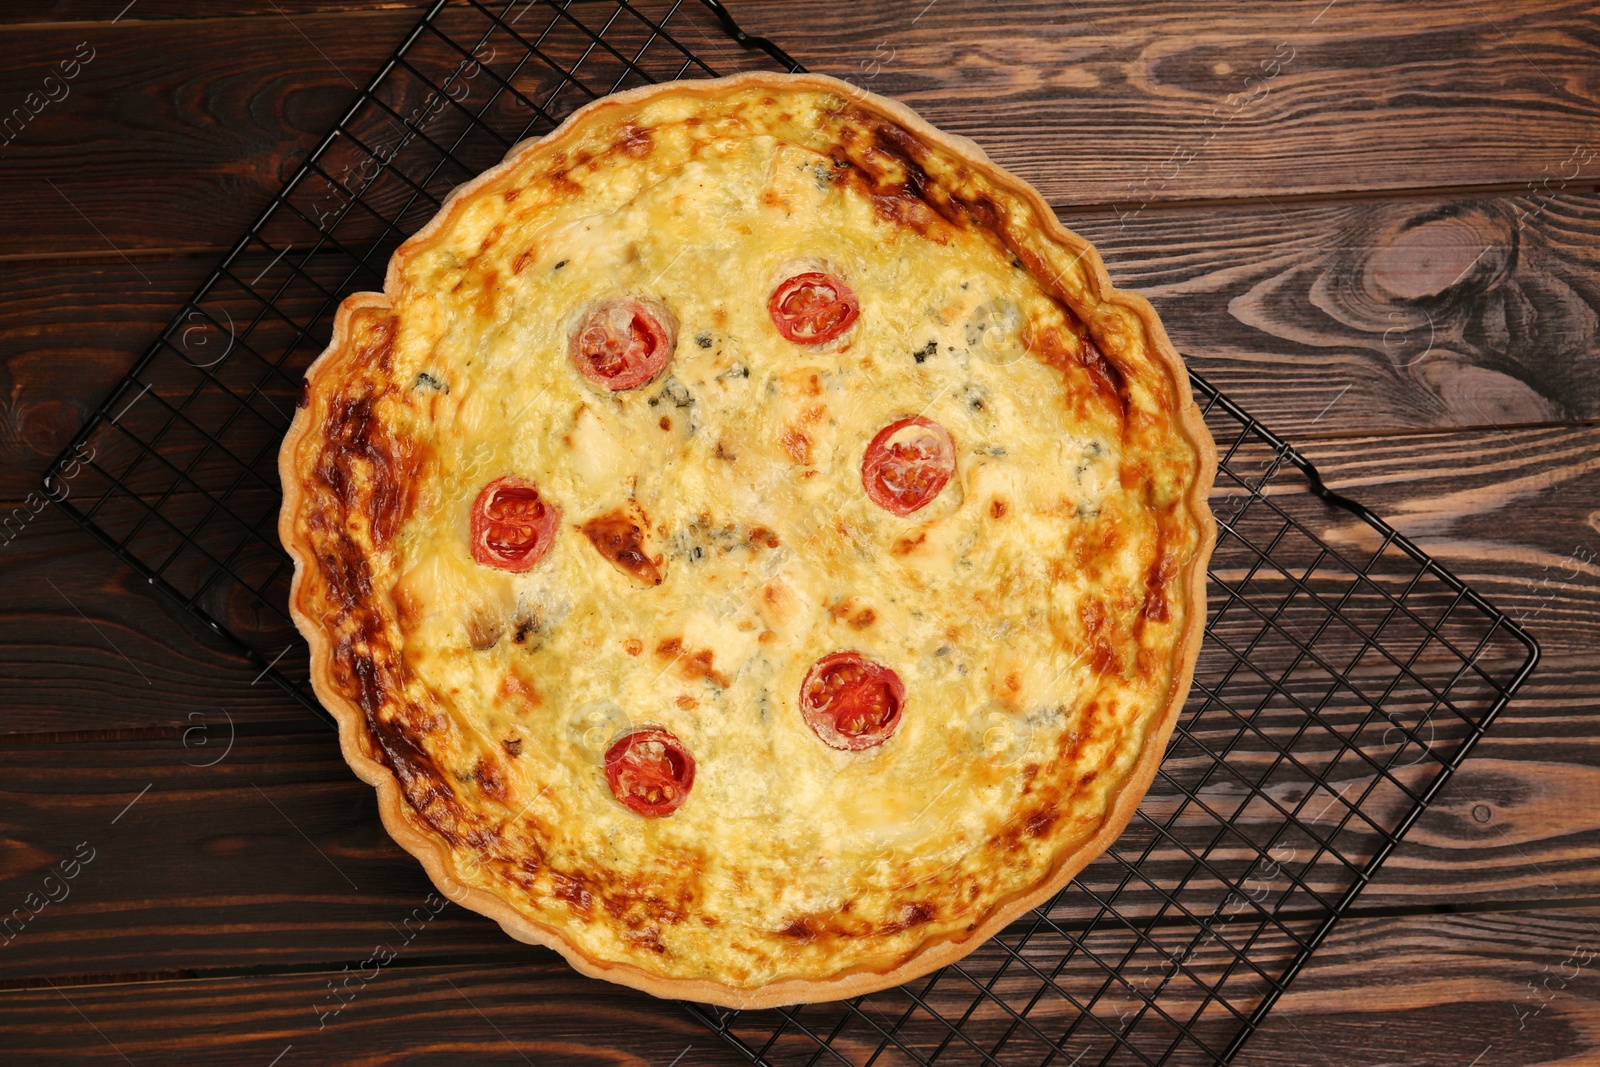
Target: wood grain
[
  {"x": 1105, "y": 102},
  {"x": 69, "y": 330},
  {"x": 1433, "y": 990},
  {"x": 1512, "y": 512},
  {"x": 1393, "y": 236},
  {"x": 120, "y": 11},
  {"x": 1495, "y": 990},
  {"x": 1377, "y": 315},
  {"x": 192, "y": 126},
  {"x": 1172, "y": 101},
  {"x": 1516, "y": 822},
  {"x": 86, "y": 644},
  {"x": 537, "y": 1012}
]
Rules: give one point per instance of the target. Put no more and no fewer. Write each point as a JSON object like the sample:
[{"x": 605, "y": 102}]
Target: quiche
[{"x": 749, "y": 544}]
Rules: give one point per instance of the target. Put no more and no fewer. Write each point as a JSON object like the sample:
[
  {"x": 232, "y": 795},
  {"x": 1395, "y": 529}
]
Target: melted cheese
[{"x": 1015, "y": 606}]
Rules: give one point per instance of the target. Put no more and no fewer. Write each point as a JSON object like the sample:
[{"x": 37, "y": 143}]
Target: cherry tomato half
[
  {"x": 622, "y": 344},
  {"x": 850, "y": 702},
  {"x": 813, "y": 308},
  {"x": 512, "y": 526},
  {"x": 907, "y": 464},
  {"x": 650, "y": 772}
]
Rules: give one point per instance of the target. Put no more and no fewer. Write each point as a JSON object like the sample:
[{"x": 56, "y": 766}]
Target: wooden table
[{"x": 1374, "y": 224}]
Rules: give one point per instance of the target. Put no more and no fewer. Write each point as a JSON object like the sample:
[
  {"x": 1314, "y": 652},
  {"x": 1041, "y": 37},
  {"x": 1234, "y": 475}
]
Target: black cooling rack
[{"x": 1344, "y": 674}]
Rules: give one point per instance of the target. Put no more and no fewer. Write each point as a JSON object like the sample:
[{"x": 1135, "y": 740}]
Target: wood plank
[
  {"x": 1517, "y": 821},
  {"x": 1510, "y": 988},
  {"x": 191, "y": 126},
  {"x": 1367, "y": 316},
  {"x": 270, "y": 835},
  {"x": 1368, "y": 101},
  {"x": 1512, "y": 512},
  {"x": 119, "y": 11},
  {"x": 1515, "y": 987},
  {"x": 1103, "y": 102},
  {"x": 280, "y": 88},
  {"x": 86, "y": 644},
  {"x": 54, "y": 367},
  {"x": 1328, "y": 318},
  {"x": 536, "y": 1012},
  {"x": 1426, "y": 989}
]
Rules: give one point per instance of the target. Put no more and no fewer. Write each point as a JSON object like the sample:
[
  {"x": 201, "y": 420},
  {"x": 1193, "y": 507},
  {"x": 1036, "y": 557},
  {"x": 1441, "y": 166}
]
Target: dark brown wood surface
[{"x": 1376, "y": 226}]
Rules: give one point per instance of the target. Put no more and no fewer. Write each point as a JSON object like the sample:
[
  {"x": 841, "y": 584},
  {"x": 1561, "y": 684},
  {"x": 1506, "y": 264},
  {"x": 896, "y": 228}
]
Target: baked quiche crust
[{"x": 708, "y": 542}]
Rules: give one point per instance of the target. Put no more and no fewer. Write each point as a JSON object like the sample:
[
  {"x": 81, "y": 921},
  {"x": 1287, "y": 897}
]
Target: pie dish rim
[{"x": 435, "y": 854}]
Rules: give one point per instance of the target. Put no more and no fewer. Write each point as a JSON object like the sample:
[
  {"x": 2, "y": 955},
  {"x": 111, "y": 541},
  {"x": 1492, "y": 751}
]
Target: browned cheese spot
[
  {"x": 486, "y": 296},
  {"x": 915, "y": 914},
  {"x": 1039, "y": 822},
  {"x": 1163, "y": 572},
  {"x": 692, "y": 664},
  {"x": 1100, "y": 631},
  {"x": 636, "y": 142},
  {"x": 797, "y": 445},
  {"x": 574, "y": 892},
  {"x": 850, "y": 610},
  {"x": 904, "y": 546},
  {"x": 491, "y": 237},
  {"x": 489, "y": 779},
  {"x": 516, "y": 689},
  {"x": 649, "y": 938},
  {"x": 562, "y": 182},
  {"x": 618, "y": 538},
  {"x": 1105, "y": 381},
  {"x": 484, "y": 630}
]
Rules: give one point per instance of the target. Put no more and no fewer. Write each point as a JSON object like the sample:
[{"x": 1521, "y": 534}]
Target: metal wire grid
[{"x": 1348, "y": 681}]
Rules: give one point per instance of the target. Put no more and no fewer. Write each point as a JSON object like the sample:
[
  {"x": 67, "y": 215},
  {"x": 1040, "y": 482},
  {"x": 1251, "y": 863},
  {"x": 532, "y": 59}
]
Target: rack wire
[{"x": 1336, "y": 691}]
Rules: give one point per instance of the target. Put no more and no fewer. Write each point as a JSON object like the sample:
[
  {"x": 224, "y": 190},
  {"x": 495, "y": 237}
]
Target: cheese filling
[{"x": 716, "y": 540}]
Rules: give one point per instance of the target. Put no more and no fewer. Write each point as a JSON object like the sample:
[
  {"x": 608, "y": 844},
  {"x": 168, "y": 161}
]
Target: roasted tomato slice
[
  {"x": 851, "y": 702},
  {"x": 512, "y": 526},
  {"x": 622, "y": 344},
  {"x": 907, "y": 464},
  {"x": 650, "y": 772},
  {"x": 813, "y": 308}
]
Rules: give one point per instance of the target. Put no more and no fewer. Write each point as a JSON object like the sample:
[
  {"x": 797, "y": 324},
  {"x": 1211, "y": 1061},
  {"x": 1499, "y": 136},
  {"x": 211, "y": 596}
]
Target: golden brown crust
[{"x": 362, "y": 749}]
